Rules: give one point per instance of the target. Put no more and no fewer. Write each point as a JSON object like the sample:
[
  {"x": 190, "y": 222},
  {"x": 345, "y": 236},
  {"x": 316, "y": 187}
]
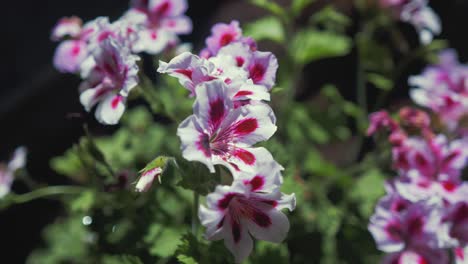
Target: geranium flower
[
  {"x": 159, "y": 22},
  {"x": 110, "y": 80},
  {"x": 398, "y": 224},
  {"x": 456, "y": 217},
  {"x": 251, "y": 206},
  {"x": 248, "y": 76},
  {"x": 434, "y": 159},
  {"x": 417, "y": 13},
  {"x": 224, "y": 34},
  {"x": 218, "y": 133},
  {"x": 443, "y": 88}
]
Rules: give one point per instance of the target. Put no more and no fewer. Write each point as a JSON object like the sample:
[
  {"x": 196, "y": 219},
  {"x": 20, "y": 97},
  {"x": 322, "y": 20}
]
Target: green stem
[
  {"x": 42, "y": 193},
  {"x": 196, "y": 203}
]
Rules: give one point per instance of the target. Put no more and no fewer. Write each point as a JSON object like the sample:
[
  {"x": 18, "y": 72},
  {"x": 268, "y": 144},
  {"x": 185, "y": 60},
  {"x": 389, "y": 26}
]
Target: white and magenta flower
[
  {"x": 218, "y": 133},
  {"x": 7, "y": 172},
  {"x": 71, "y": 53},
  {"x": 417, "y": 13},
  {"x": 443, "y": 88},
  {"x": 433, "y": 158},
  {"x": 224, "y": 34},
  {"x": 398, "y": 224},
  {"x": 456, "y": 218},
  {"x": 249, "y": 75},
  {"x": 112, "y": 76},
  {"x": 251, "y": 207},
  {"x": 159, "y": 22}
]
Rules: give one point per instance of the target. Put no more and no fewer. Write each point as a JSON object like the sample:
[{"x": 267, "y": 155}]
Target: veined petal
[
  {"x": 92, "y": 96},
  {"x": 250, "y": 124},
  {"x": 237, "y": 239},
  {"x": 195, "y": 143},
  {"x": 274, "y": 229},
  {"x": 212, "y": 104}
]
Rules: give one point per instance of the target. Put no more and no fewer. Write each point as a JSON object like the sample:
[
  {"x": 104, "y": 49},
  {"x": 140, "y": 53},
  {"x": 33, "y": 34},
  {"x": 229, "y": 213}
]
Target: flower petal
[{"x": 111, "y": 109}]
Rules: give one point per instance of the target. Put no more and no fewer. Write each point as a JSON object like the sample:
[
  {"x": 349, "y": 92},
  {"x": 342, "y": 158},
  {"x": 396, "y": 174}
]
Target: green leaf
[
  {"x": 368, "y": 189},
  {"x": 298, "y": 5},
  {"x": 67, "y": 240},
  {"x": 267, "y": 28},
  {"x": 163, "y": 240},
  {"x": 120, "y": 259},
  {"x": 311, "y": 45},
  {"x": 331, "y": 19},
  {"x": 186, "y": 259},
  {"x": 380, "y": 81},
  {"x": 269, "y": 5},
  {"x": 84, "y": 202}
]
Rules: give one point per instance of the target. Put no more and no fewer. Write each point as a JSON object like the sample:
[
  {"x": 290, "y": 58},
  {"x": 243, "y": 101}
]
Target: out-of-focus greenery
[{"x": 319, "y": 142}]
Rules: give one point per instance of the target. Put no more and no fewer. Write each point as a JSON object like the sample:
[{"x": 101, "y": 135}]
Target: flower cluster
[
  {"x": 425, "y": 212},
  {"x": 7, "y": 172},
  {"x": 104, "y": 53},
  {"x": 418, "y": 14},
  {"x": 443, "y": 88},
  {"x": 231, "y": 81}
]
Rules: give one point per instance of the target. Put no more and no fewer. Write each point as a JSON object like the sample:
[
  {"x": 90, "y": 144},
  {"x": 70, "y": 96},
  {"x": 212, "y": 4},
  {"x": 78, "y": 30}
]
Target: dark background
[{"x": 37, "y": 103}]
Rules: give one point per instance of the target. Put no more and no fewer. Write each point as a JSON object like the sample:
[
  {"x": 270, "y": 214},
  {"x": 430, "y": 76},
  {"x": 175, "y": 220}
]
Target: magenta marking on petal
[
  {"x": 257, "y": 182},
  {"x": 224, "y": 203},
  {"x": 257, "y": 72},
  {"x": 243, "y": 93},
  {"x": 449, "y": 186},
  {"x": 461, "y": 213},
  {"x": 449, "y": 158},
  {"x": 226, "y": 39},
  {"x": 399, "y": 205},
  {"x": 162, "y": 9},
  {"x": 270, "y": 202},
  {"x": 460, "y": 253},
  {"x": 203, "y": 145},
  {"x": 261, "y": 219},
  {"x": 104, "y": 35},
  {"x": 393, "y": 230},
  {"x": 153, "y": 35},
  {"x": 246, "y": 126},
  {"x": 240, "y": 61},
  {"x": 216, "y": 113},
  {"x": 236, "y": 231},
  {"x": 245, "y": 156},
  {"x": 187, "y": 72},
  {"x": 75, "y": 51},
  {"x": 415, "y": 225},
  {"x": 100, "y": 92},
  {"x": 115, "y": 102},
  {"x": 421, "y": 160},
  {"x": 221, "y": 223}
]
